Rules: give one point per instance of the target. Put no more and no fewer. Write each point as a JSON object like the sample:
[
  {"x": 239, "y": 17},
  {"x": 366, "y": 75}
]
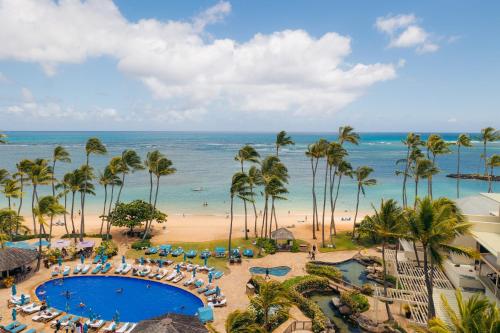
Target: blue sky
[{"x": 249, "y": 65}]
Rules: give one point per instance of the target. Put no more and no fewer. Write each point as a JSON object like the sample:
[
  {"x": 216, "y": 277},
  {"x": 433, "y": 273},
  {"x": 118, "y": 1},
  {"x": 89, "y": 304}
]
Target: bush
[
  {"x": 367, "y": 289},
  {"x": 330, "y": 272},
  {"x": 355, "y": 300},
  {"x": 268, "y": 245},
  {"x": 8, "y": 281},
  {"x": 140, "y": 244},
  {"x": 391, "y": 279},
  {"x": 108, "y": 248},
  {"x": 52, "y": 255},
  {"x": 17, "y": 238},
  {"x": 295, "y": 247}
]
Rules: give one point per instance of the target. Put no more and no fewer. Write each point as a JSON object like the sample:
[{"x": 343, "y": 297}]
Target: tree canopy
[{"x": 135, "y": 213}]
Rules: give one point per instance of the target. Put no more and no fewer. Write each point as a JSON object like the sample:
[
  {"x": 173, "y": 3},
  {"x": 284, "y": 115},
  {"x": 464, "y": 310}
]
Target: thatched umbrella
[{"x": 171, "y": 323}]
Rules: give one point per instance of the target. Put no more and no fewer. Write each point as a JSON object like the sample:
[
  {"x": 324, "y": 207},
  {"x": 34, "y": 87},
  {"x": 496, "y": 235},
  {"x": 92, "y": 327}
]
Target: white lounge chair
[
  {"x": 126, "y": 269},
  {"x": 123, "y": 328},
  {"x": 96, "y": 324},
  {"x": 31, "y": 308},
  {"x": 110, "y": 327},
  {"x": 85, "y": 269},
  {"x": 120, "y": 268},
  {"x": 131, "y": 327},
  {"x": 153, "y": 273},
  {"x": 178, "y": 278},
  {"x": 189, "y": 281},
  {"x": 171, "y": 276}
]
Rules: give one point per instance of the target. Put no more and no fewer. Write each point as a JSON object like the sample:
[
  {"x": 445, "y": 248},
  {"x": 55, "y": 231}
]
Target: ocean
[{"x": 205, "y": 160}]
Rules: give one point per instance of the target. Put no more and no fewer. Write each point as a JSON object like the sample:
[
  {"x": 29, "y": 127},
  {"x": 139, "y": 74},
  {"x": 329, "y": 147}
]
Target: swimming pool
[
  {"x": 276, "y": 271},
  {"x": 138, "y": 300}
]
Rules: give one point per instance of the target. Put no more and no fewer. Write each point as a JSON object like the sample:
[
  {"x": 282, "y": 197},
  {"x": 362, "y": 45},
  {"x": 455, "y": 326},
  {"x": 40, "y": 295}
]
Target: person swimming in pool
[
  {"x": 82, "y": 305},
  {"x": 67, "y": 294},
  {"x": 119, "y": 290},
  {"x": 148, "y": 286}
]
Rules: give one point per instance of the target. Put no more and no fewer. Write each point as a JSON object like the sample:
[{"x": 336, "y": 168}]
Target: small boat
[{"x": 197, "y": 189}]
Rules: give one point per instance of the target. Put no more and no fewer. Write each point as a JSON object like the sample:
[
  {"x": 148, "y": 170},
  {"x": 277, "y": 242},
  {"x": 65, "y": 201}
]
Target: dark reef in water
[{"x": 474, "y": 176}]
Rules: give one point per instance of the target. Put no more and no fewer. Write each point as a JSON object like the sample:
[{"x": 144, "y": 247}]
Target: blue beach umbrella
[
  {"x": 85, "y": 328},
  {"x": 59, "y": 261},
  {"x": 205, "y": 260},
  {"x": 116, "y": 318},
  {"x": 14, "y": 290},
  {"x": 82, "y": 258},
  {"x": 210, "y": 277},
  {"x": 178, "y": 268},
  {"x": 217, "y": 291},
  {"x": 123, "y": 259},
  {"x": 14, "y": 314},
  {"x": 160, "y": 263},
  {"x": 185, "y": 256},
  {"x": 23, "y": 299},
  {"x": 141, "y": 261},
  {"x": 194, "y": 272}
]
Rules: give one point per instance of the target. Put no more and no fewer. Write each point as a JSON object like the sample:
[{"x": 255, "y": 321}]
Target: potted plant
[{"x": 407, "y": 310}]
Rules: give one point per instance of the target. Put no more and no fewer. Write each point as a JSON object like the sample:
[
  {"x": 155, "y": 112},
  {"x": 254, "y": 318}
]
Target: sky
[{"x": 249, "y": 65}]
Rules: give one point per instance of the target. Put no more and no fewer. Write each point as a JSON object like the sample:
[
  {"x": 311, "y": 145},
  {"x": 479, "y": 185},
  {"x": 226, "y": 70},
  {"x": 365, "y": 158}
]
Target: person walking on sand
[{"x": 267, "y": 274}]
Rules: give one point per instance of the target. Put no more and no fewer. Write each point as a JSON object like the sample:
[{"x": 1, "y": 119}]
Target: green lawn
[
  {"x": 343, "y": 242},
  {"x": 218, "y": 263}
]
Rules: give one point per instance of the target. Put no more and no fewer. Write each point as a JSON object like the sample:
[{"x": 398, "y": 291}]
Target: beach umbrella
[
  {"x": 116, "y": 318},
  {"x": 47, "y": 301},
  {"x": 217, "y": 291},
  {"x": 160, "y": 263},
  {"x": 210, "y": 277},
  {"x": 205, "y": 260},
  {"x": 82, "y": 258},
  {"x": 67, "y": 307},
  {"x": 178, "y": 268},
  {"x": 141, "y": 261},
  {"x": 85, "y": 328},
  {"x": 194, "y": 272},
  {"x": 14, "y": 314},
  {"x": 185, "y": 256},
  {"x": 123, "y": 259},
  {"x": 23, "y": 299},
  {"x": 59, "y": 261},
  {"x": 14, "y": 290}
]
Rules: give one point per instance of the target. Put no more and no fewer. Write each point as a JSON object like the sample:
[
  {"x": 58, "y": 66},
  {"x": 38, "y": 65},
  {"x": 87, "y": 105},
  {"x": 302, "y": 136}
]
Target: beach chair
[
  {"x": 31, "y": 308},
  {"x": 151, "y": 250},
  {"x": 66, "y": 270},
  {"x": 171, "y": 276},
  {"x": 177, "y": 252},
  {"x": 97, "y": 269},
  {"x": 78, "y": 269},
  {"x": 18, "y": 328},
  {"x": 191, "y": 254},
  {"x": 131, "y": 328},
  {"x": 110, "y": 327},
  {"x": 123, "y": 328},
  {"x": 220, "y": 252},
  {"x": 178, "y": 277},
  {"x": 85, "y": 269},
  {"x": 96, "y": 324},
  {"x": 210, "y": 292},
  {"x": 248, "y": 253},
  {"x": 218, "y": 274},
  {"x": 145, "y": 271},
  {"x": 55, "y": 271},
  {"x": 165, "y": 250},
  {"x": 106, "y": 268},
  {"x": 161, "y": 274},
  {"x": 205, "y": 254},
  {"x": 189, "y": 281},
  {"x": 97, "y": 258},
  {"x": 12, "y": 325},
  {"x": 154, "y": 272},
  {"x": 62, "y": 320},
  {"x": 126, "y": 269},
  {"x": 198, "y": 283}
]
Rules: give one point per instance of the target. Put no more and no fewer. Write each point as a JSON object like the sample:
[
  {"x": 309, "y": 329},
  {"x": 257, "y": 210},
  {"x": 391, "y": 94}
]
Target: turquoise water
[
  {"x": 276, "y": 271},
  {"x": 206, "y": 160},
  {"x": 342, "y": 325},
  {"x": 138, "y": 300},
  {"x": 353, "y": 272}
]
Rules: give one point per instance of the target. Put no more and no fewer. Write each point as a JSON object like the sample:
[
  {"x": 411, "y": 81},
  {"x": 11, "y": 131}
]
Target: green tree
[
  {"x": 47, "y": 206},
  {"x": 254, "y": 179},
  {"x": 422, "y": 169},
  {"x": 412, "y": 142},
  {"x": 361, "y": 175},
  {"x": 272, "y": 298},
  {"x": 11, "y": 190},
  {"x": 134, "y": 214},
  {"x": 62, "y": 155},
  {"x": 344, "y": 170},
  {"x": 130, "y": 162},
  {"x": 283, "y": 140},
  {"x": 335, "y": 154},
  {"x": 242, "y": 322},
  {"x": 240, "y": 189},
  {"x": 247, "y": 154},
  {"x": 493, "y": 162},
  {"x": 488, "y": 134},
  {"x": 4, "y": 175},
  {"x": 314, "y": 153},
  {"x": 10, "y": 221},
  {"x": 106, "y": 178},
  {"x": 463, "y": 140},
  {"x": 435, "y": 146},
  {"x": 386, "y": 225},
  {"x": 22, "y": 175},
  {"x": 39, "y": 173}
]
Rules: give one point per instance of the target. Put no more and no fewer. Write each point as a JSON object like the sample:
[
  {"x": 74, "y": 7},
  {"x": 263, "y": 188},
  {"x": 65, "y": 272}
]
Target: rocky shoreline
[{"x": 473, "y": 176}]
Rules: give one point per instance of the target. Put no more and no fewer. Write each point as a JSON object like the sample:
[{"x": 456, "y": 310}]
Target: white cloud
[
  {"x": 405, "y": 32},
  {"x": 283, "y": 71}
]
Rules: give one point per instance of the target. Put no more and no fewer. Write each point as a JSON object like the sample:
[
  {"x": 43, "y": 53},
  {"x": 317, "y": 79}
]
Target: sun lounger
[
  {"x": 190, "y": 267},
  {"x": 131, "y": 328},
  {"x": 210, "y": 292},
  {"x": 120, "y": 268},
  {"x": 189, "y": 281},
  {"x": 177, "y": 252},
  {"x": 145, "y": 271},
  {"x": 198, "y": 283},
  {"x": 16, "y": 300},
  {"x": 126, "y": 269},
  {"x": 73, "y": 320},
  {"x": 96, "y": 324},
  {"x": 248, "y": 253},
  {"x": 205, "y": 288},
  {"x": 220, "y": 252},
  {"x": 46, "y": 315},
  {"x": 56, "y": 271},
  {"x": 171, "y": 276},
  {"x": 78, "y": 269},
  {"x": 123, "y": 328},
  {"x": 66, "y": 270},
  {"x": 218, "y": 274},
  {"x": 191, "y": 253},
  {"x": 106, "y": 268},
  {"x": 153, "y": 273},
  {"x": 152, "y": 250},
  {"x": 205, "y": 254},
  {"x": 165, "y": 250},
  {"x": 97, "y": 269},
  {"x": 178, "y": 278},
  {"x": 110, "y": 327},
  {"x": 205, "y": 314},
  {"x": 161, "y": 274},
  {"x": 85, "y": 269},
  {"x": 218, "y": 304},
  {"x": 97, "y": 258},
  {"x": 12, "y": 325},
  {"x": 31, "y": 308},
  {"x": 63, "y": 319},
  {"x": 17, "y": 328}
]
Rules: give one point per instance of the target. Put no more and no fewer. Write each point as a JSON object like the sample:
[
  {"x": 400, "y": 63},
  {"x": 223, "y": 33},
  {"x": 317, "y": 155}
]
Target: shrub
[
  {"x": 268, "y": 245},
  {"x": 52, "y": 254},
  {"x": 355, "y": 300},
  {"x": 295, "y": 246},
  {"x": 140, "y": 244},
  {"x": 330, "y": 272},
  {"x": 17, "y": 238},
  {"x": 8, "y": 281},
  {"x": 367, "y": 289},
  {"x": 108, "y": 248},
  {"x": 391, "y": 279}
]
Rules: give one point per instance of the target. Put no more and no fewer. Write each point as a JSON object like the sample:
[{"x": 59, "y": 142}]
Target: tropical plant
[
  {"x": 129, "y": 162},
  {"x": 4, "y": 175},
  {"x": 39, "y": 173},
  {"x": 107, "y": 178},
  {"x": 438, "y": 223},
  {"x": 242, "y": 322},
  {"x": 62, "y": 155},
  {"x": 254, "y": 179},
  {"x": 422, "y": 169},
  {"x": 240, "y": 189},
  {"x": 344, "y": 170},
  {"x": 271, "y": 300},
  {"x": 47, "y": 206},
  {"x": 10, "y": 221},
  {"x": 493, "y": 162},
  {"x": 335, "y": 154},
  {"x": 488, "y": 134},
  {"x": 463, "y": 140},
  {"x": 361, "y": 175},
  {"x": 314, "y": 153},
  {"x": 283, "y": 140},
  {"x": 11, "y": 190},
  {"x": 22, "y": 175},
  {"x": 3, "y": 138},
  {"x": 412, "y": 142},
  {"x": 386, "y": 224},
  {"x": 347, "y": 134},
  {"x": 247, "y": 154},
  {"x": 93, "y": 146},
  {"x": 435, "y": 146},
  {"x": 134, "y": 214}
]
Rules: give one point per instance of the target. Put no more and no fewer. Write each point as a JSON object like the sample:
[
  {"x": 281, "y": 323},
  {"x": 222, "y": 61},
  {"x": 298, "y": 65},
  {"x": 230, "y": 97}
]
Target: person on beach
[
  {"x": 57, "y": 326},
  {"x": 267, "y": 274}
]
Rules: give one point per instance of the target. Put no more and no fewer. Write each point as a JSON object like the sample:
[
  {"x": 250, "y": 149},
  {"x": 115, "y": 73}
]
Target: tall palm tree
[
  {"x": 242, "y": 322},
  {"x": 163, "y": 168},
  {"x": 22, "y": 174},
  {"x": 254, "y": 179},
  {"x": 283, "y": 140},
  {"x": 347, "y": 134},
  {"x": 438, "y": 223},
  {"x": 106, "y": 178},
  {"x": 130, "y": 162},
  {"x": 39, "y": 173},
  {"x": 63, "y": 188},
  {"x": 314, "y": 153},
  {"x": 151, "y": 164},
  {"x": 93, "y": 146},
  {"x": 11, "y": 190},
  {"x": 361, "y": 175},
  {"x": 344, "y": 170},
  {"x": 386, "y": 225},
  {"x": 62, "y": 155},
  {"x": 10, "y": 221},
  {"x": 272, "y": 298},
  {"x": 4, "y": 175},
  {"x": 324, "y": 146},
  {"x": 276, "y": 190},
  {"x": 476, "y": 314},
  {"x": 335, "y": 154},
  {"x": 47, "y": 206},
  {"x": 422, "y": 169},
  {"x": 493, "y": 162},
  {"x": 463, "y": 140},
  {"x": 247, "y": 154},
  {"x": 411, "y": 142},
  {"x": 435, "y": 146},
  {"x": 240, "y": 189},
  {"x": 488, "y": 134}
]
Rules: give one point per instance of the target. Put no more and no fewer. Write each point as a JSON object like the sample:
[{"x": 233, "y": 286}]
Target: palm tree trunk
[
  {"x": 33, "y": 209},
  {"x": 39, "y": 260},
  {"x": 65, "y": 206},
  {"x": 230, "y": 227},
  {"x": 458, "y": 171},
  {"x": 8, "y": 202},
  {"x": 146, "y": 232},
  {"x": 333, "y": 230},
  {"x": 254, "y": 213},
  {"x": 356, "y": 214},
  {"x": 335, "y": 201},
  {"x": 428, "y": 284},
  {"x": 405, "y": 177},
  {"x": 490, "y": 178},
  {"x": 324, "y": 205},
  {"x": 485, "y": 159},
  {"x": 20, "y": 201},
  {"x": 120, "y": 190},
  {"x": 72, "y": 212},
  {"x": 108, "y": 220},
  {"x": 416, "y": 193},
  {"x": 104, "y": 207},
  {"x": 82, "y": 200},
  {"x": 246, "y": 224},
  {"x": 387, "y": 308},
  {"x": 314, "y": 198},
  {"x": 54, "y": 195}
]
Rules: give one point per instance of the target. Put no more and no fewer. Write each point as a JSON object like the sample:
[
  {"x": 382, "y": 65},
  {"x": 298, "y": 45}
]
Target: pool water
[
  {"x": 138, "y": 300},
  {"x": 353, "y": 272},
  {"x": 276, "y": 271}
]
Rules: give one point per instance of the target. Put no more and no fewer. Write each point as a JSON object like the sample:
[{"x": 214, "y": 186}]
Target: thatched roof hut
[
  {"x": 282, "y": 234},
  {"x": 12, "y": 258},
  {"x": 171, "y": 323}
]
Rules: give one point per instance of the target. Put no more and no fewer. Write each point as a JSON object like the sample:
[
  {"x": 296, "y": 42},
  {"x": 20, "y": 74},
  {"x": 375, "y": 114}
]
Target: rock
[
  {"x": 345, "y": 310},
  {"x": 336, "y": 301}
]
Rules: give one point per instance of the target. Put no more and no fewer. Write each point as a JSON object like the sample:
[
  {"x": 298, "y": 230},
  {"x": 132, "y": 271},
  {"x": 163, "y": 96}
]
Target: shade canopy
[
  {"x": 86, "y": 244},
  {"x": 12, "y": 258},
  {"x": 282, "y": 234},
  {"x": 61, "y": 243},
  {"x": 171, "y": 323}
]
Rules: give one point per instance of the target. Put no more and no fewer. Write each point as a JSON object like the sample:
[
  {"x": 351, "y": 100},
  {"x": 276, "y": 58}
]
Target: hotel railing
[{"x": 490, "y": 285}]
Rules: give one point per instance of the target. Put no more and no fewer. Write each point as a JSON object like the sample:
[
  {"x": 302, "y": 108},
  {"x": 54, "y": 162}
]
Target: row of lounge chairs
[{"x": 219, "y": 252}]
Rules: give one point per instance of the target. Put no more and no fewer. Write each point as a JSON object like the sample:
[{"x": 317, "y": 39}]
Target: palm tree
[
  {"x": 335, "y": 154},
  {"x": 386, "y": 224},
  {"x": 463, "y": 140},
  {"x": 272, "y": 298},
  {"x": 277, "y": 191},
  {"x": 22, "y": 174},
  {"x": 247, "y": 154},
  {"x": 344, "y": 169},
  {"x": 347, "y": 134},
  {"x": 422, "y": 169},
  {"x": 438, "y": 223},
  {"x": 163, "y": 168},
  {"x": 11, "y": 190},
  {"x": 130, "y": 162},
  {"x": 50, "y": 207},
  {"x": 39, "y": 173},
  {"x": 476, "y": 314},
  {"x": 242, "y": 322},
  {"x": 435, "y": 146},
  {"x": 488, "y": 134},
  {"x": 493, "y": 162},
  {"x": 314, "y": 153},
  {"x": 151, "y": 163},
  {"x": 10, "y": 221},
  {"x": 283, "y": 140},
  {"x": 106, "y": 178},
  {"x": 3, "y": 138},
  {"x": 412, "y": 141},
  {"x": 93, "y": 146},
  {"x": 4, "y": 175},
  {"x": 254, "y": 179},
  {"x": 361, "y": 175},
  {"x": 240, "y": 189},
  {"x": 62, "y": 155}
]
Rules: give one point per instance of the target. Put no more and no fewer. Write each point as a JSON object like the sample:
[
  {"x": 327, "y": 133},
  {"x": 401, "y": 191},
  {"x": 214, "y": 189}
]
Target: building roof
[
  {"x": 12, "y": 258},
  {"x": 171, "y": 323},
  {"x": 282, "y": 234},
  {"x": 481, "y": 205},
  {"x": 489, "y": 240},
  {"x": 492, "y": 196}
]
